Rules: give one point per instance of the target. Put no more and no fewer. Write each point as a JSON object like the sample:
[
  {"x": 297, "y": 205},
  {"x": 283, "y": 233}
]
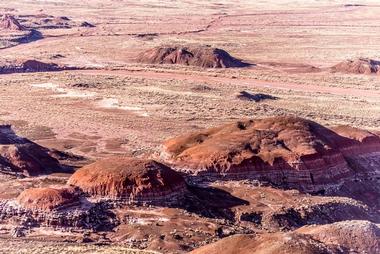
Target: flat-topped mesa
[
  {"x": 48, "y": 199},
  {"x": 286, "y": 151},
  {"x": 201, "y": 56},
  {"x": 130, "y": 180},
  {"x": 9, "y": 22},
  {"x": 20, "y": 156},
  {"x": 358, "y": 66}
]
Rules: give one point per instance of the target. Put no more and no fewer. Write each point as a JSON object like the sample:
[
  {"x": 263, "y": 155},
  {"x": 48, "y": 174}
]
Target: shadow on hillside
[
  {"x": 34, "y": 35},
  {"x": 211, "y": 202},
  {"x": 29, "y": 156}
]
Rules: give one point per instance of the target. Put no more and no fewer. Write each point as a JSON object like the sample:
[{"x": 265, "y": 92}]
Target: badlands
[{"x": 189, "y": 126}]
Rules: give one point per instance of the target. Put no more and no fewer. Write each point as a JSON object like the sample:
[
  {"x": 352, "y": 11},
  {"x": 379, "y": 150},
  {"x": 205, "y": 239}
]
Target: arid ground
[{"x": 109, "y": 103}]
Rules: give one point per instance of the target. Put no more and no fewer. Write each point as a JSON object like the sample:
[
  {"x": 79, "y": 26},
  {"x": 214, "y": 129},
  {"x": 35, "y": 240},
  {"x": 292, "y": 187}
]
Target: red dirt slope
[
  {"x": 283, "y": 150},
  {"x": 47, "y": 199},
  {"x": 201, "y": 56},
  {"x": 130, "y": 179},
  {"x": 21, "y": 156}
]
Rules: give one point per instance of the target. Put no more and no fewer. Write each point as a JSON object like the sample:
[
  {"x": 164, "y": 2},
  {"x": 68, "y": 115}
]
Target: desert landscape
[{"x": 180, "y": 126}]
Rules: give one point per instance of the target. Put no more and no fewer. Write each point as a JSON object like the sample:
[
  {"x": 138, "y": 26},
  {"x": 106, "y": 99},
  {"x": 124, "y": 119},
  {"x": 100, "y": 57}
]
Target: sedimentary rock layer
[
  {"x": 288, "y": 151},
  {"x": 131, "y": 180},
  {"x": 81, "y": 215},
  {"x": 47, "y": 199}
]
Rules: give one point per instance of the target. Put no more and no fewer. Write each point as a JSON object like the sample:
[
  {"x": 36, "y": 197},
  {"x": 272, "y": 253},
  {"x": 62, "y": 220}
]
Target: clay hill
[
  {"x": 9, "y": 22},
  {"x": 47, "y": 199},
  {"x": 20, "y": 156},
  {"x": 201, "y": 56},
  {"x": 287, "y": 151},
  {"x": 358, "y": 66},
  {"x": 129, "y": 179},
  {"x": 61, "y": 208},
  {"x": 332, "y": 238}
]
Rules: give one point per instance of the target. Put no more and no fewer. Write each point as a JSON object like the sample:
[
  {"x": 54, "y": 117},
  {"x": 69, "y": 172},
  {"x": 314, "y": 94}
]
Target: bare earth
[{"x": 114, "y": 105}]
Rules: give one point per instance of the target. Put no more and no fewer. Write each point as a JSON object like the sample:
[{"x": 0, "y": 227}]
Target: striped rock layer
[
  {"x": 287, "y": 151},
  {"x": 130, "y": 180}
]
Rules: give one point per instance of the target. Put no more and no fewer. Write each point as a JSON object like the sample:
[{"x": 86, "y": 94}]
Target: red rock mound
[
  {"x": 8, "y": 22},
  {"x": 36, "y": 66},
  {"x": 29, "y": 66},
  {"x": 22, "y": 156},
  {"x": 51, "y": 22},
  {"x": 201, "y": 56},
  {"x": 358, "y": 66},
  {"x": 47, "y": 199},
  {"x": 129, "y": 179},
  {"x": 282, "y": 150},
  {"x": 332, "y": 238}
]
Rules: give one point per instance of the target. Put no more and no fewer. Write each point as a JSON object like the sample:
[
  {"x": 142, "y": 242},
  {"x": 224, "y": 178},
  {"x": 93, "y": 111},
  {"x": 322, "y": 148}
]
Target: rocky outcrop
[
  {"x": 287, "y": 151},
  {"x": 362, "y": 189},
  {"x": 323, "y": 212},
  {"x": 43, "y": 21},
  {"x": 201, "y": 56},
  {"x": 332, "y": 238},
  {"x": 257, "y": 97},
  {"x": 358, "y": 66},
  {"x": 47, "y": 199},
  {"x": 130, "y": 180},
  {"x": 57, "y": 208},
  {"x": 9, "y": 22},
  {"x": 86, "y": 24},
  {"x": 36, "y": 66},
  {"x": 56, "y": 22},
  {"x": 82, "y": 215},
  {"x": 20, "y": 156},
  {"x": 29, "y": 66}
]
